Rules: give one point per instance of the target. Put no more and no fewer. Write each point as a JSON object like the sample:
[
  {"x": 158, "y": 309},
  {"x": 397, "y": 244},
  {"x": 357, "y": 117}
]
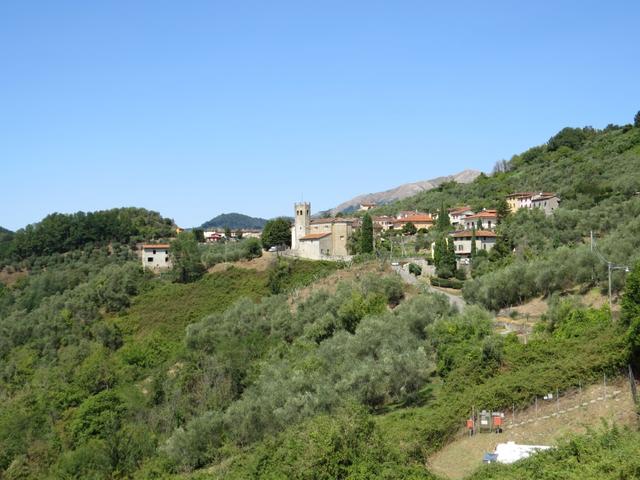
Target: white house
[
  {"x": 488, "y": 220},
  {"x": 156, "y": 257},
  {"x": 456, "y": 215}
]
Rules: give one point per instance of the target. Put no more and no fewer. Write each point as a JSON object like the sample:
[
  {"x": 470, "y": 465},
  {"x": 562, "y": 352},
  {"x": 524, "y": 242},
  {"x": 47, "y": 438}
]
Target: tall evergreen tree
[
  {"x": 366, "y": 234},
  {"x": 502, "y": 210},
  {"x": 473, "y": 242},
  {"x": 443, "y": 224},
  {"x": 186, "y": 258}
]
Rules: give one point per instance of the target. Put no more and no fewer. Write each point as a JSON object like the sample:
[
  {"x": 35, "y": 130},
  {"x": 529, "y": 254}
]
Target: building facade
[
  {"x": 319, "y": 238},
  {"x": 546, "y": 202},
  {"x": 484, "y": 220},
  {"x": 155, "y": 257},
  {"x": 485, "y": 240}
]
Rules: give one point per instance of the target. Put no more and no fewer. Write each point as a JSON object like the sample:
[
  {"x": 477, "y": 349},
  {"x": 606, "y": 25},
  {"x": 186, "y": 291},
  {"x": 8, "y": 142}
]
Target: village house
[
  {"x": 485, "y": 240},
  {"x": 155, "y": 257},
  {"x": 486, "y": 219},
  {"x": 547, "y": 202},
  {"x": 319, "y": 238},
  {"x": 212, "y": 236},
  {"x": 456, "y": 215},
  {"x": 366, "y": 206},
  {"x": 420, "y": 220},
  {"x": 519, "y": 200},
  {"x": 383, "y": 222}
]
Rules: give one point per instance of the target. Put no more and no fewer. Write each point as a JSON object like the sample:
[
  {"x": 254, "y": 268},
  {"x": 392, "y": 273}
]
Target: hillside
[
  {"x": 596, "y": 174},
  {"x": 234, "y": 221},
  {"x": 283, "y": 368},
  {"x": 404, "y": 191},
  {"x": 4, "y": 231}
]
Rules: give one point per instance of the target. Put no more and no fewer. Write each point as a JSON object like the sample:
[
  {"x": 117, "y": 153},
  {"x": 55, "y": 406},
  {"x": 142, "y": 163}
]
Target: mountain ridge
[{"x": 404, "y": 191}]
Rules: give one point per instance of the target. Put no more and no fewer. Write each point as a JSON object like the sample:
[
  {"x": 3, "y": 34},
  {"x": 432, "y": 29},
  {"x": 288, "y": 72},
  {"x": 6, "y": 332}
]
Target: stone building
[{"x": 320, "y": 238}]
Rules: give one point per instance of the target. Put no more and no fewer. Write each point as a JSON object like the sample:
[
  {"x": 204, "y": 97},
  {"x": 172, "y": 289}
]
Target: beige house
[
  {"x": 485, "y": 240},
  {"x": 519, "y": 200},
  {"x": 366, "y": 206},
  {"x": 155, "y": 257},
  {"x": 383, "y": 222},
  {"x": 322, "y": 238},
  {"x": 420, "y": 220}
]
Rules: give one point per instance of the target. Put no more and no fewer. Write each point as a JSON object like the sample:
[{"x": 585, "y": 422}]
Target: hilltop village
[{"x": 331, "y": 238}]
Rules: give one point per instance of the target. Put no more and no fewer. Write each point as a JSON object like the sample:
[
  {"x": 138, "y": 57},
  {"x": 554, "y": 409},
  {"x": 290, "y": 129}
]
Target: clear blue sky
[{"x": 196, "y": 108}]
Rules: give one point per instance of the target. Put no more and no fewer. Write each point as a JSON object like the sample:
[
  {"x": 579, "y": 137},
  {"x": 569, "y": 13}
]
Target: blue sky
[{"x": 197, "y": 108}]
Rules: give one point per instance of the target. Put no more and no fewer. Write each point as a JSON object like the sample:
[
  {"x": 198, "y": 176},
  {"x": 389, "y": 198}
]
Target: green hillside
[
  {"x": 234, "y": 221},
  {"x": 315, "y": 370},
  {"x": 597, "y": 176}
]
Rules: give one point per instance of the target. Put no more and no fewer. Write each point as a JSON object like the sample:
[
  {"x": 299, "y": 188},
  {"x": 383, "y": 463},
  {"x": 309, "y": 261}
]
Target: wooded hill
[
  {"x": 596, "y": 173},
  {"x": 234, "y": 221},
  {"x": 307, "y": 370}
]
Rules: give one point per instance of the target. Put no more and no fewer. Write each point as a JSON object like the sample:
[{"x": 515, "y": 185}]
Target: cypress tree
[
  {"x": 473, "y": 242},
  {"x": 443, "y": 219},
  {"x": 366, "y": 236}
]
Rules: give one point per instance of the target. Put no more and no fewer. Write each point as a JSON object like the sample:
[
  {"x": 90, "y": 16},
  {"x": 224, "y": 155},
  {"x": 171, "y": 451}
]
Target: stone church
[{"x": 321, "y": 238}]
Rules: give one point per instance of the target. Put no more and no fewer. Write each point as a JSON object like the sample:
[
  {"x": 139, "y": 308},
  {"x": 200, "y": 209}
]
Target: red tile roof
[
  {"x": 415, "y": 219},
  {"x": 483, "y": 214},
  {"x": 332, "y": 220},
  {"x": 453, "y": 211},
  {"x": 469, "y": 233},
  {"x": 315, "y": 236},
  {"x": 150, "y": 246},
  {"x": 521, "y": 194}
]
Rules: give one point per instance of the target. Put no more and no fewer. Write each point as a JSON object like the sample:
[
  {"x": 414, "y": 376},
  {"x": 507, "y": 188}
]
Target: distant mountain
[
  {"x": 234, "y": 221},
  {"x": 5, "y": 231},
  {"x": 403, "y": 191}
]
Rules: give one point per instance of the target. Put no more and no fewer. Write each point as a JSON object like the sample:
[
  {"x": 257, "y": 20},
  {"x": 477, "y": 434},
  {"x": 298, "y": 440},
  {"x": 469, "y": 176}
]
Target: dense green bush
[{"x": 446, "y": 282}]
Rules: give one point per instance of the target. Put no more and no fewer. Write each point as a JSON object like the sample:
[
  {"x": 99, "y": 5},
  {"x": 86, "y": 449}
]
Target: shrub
[
  {"x": 415, "y": 269},
  {"x": 447, "y": 283}
]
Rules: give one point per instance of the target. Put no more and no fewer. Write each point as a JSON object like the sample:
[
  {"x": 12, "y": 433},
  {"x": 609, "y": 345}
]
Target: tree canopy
[
  {"x": 276, "y": 232},
  {"x": 366, "y": 234}
]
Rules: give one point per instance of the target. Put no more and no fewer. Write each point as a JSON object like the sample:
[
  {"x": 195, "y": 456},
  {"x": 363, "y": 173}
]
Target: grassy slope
[
  {"x": 611, "y": 454},
  {"x": 544, "y": 426},
  {"x": 529, "y": 370}
]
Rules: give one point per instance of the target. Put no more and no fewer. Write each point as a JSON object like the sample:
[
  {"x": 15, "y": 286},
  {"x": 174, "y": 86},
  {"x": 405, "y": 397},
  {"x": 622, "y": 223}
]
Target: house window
[
  {"x": 154, "y": 252},
  {"x": 166, "y": 259},
  {"x": 489, "y": 223},
  {"x": 460, "y": 247},
  {"x": 149, "y": 259}
]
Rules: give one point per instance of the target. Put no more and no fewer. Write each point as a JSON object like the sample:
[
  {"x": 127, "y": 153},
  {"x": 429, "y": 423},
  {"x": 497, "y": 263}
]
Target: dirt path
[{"x": 544, "y": 425}]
